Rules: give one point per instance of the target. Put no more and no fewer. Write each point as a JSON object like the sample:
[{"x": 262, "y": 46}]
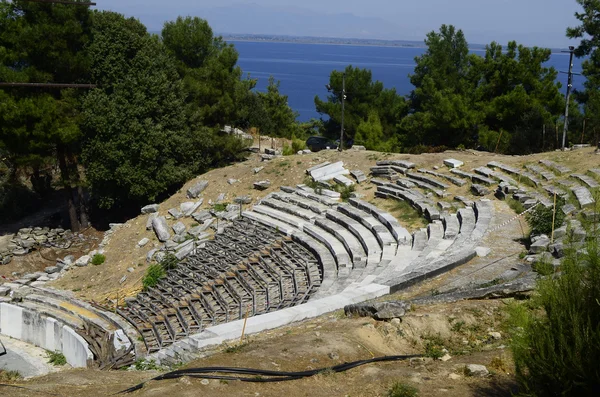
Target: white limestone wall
[{"x": 45, "y": 332}]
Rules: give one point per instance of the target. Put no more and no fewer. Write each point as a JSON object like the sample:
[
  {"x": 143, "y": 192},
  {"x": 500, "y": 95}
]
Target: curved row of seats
[{"x": 248, "y": 269}]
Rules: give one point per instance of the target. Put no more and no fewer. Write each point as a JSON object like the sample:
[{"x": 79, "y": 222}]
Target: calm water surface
[{"x": 304, "y": 69}]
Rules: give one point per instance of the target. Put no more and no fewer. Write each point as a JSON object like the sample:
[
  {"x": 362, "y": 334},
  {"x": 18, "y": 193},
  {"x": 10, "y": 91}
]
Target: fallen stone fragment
[
  {"x": 52, "y": 269},
  {"x": 262, "y": 185},
  {"x": 179, "y": 228},
  {"x": 83, "y": 261},
  {"x": 149, "y": 220},
  {"x": 482, "y": 252},
  {"x": 479, "y": 190},
  {"x": 199, "y": 187},
  {"x": 143, "y": 242},
  {"x": 378, "y": 310},
  {"x": 358, "y": 175},
  {"x": 476, "y": 370},
  {"x": 175, "y": 213},
  {"x": 243, "y": 200},
  {"x": 453, "y": 163},
  {"x": 258, "y": 169},
  {"x": 150, "y": 208},
  {"x": 201, "y": 216},
  {"x": 539, "y": 246},
  {"x": 161, "y": 228}
]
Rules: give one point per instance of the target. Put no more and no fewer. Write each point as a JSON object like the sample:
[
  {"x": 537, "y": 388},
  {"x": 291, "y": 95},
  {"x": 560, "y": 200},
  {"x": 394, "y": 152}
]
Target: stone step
[
  {"x": 290, "y": 208},
  {"x": 270, "y": 222},
  {"x": 428, "y": 180},
  {"x": 382, "y": 234},
  {"x": 584, "y": 197},
  {"x": 420, "y": 240},
  {"x": 456, "y": 181},
  {"x": 467, "y": 219},
  {"x": 473, "y": 177},
  {"x": 281, "y": 216},
  {"x": 324, "y": 256},
  {"x": 514, "y": 171},
  {"x": 589, "y": 181},
  {"x": 547, "y": 175},
  {"x": 310, "y": 194},
  {"x": 352, "y": 244},
  {"x": 401, "y": 235},
  {"x": 301, "y": 202},
  {"x": 335, "y": 246},
  {"x": 364, "y": 235},
  {"x": 451, "y": 226},
  {"x": 561, "y": 169}
]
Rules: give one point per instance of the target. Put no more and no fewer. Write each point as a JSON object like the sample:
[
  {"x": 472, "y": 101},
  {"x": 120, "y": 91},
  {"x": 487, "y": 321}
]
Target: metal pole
[
  {"x": 569, "y": 85},
  {"x": 343, "y": 102}
]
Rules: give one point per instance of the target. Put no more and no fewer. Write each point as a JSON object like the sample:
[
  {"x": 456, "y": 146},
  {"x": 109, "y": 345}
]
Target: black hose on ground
[{"x": 260, "y": 375}]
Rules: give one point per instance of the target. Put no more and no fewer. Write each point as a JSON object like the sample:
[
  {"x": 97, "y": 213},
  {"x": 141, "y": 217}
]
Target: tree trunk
[
  {"x": 81, "y": 201},
  {"x": 83, "y": 215},
  {"x": 66, "y": 182}
]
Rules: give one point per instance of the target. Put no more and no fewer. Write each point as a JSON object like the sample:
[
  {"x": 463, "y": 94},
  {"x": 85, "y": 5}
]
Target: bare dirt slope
[
  {"x": 461, "y": 328},
  {"x": 102, "y": 283}
]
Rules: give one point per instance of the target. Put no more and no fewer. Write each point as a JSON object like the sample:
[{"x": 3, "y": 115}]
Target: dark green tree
[
  {"x": 138, "y": 144},
  {"x": 208, "y": 67},
  {"x": 363, "y": 96},
  {"x": 589, "y": 33},
  {"x": 442, "y": 104},
  {"x": 516, "y": 94},
  {"x": 44, "y": 43}
]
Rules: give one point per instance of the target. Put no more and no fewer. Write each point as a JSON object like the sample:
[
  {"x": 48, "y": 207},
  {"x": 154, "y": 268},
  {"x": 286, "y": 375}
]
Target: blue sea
[{"x": 303, "y": 69}]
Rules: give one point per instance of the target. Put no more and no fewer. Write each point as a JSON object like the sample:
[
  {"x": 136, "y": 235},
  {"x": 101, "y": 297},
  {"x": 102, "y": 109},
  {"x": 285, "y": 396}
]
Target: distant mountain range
[
  {"x": 293, "y": 24},
  {"x": 288, "y": 21}
]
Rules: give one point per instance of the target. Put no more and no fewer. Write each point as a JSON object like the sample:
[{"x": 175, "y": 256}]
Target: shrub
[
  {"x": 540, "y": 219},
  {"x": 56, "y": 358},
  {"x": 515, "y": 205},
  {"x": 556, "y": 340},
  {"x": 219, "y": 207},
  {"x": 298, "y": 144},
  {"x": 159, "y": 270},
  {"x": 146, "y": 365},
  {"x": 9, "y": 376},
  {"x": 288, "y": 150},
  {"x": 169, "y": 262},
  {"x": 154, "y": 273},
  {"x": 400, "y": 389},
  {"x": 345, "y": 191},
  {"x": 98, "y": 259}
]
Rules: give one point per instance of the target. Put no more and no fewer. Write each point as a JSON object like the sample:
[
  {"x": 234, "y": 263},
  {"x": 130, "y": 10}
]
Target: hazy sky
[{"x": 531, "y": 22}]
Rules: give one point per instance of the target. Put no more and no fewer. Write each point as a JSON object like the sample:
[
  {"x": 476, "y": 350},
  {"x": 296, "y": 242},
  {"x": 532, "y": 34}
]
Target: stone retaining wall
[{"x": 46, "y": 332}]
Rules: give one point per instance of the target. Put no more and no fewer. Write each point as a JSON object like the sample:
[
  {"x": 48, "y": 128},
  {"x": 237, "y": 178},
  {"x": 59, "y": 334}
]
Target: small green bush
[
  {"x": 169, "y": 262},
  {"x": 556, "y": 336},
  {"x": 540, "y": 219},
  {"x": 298, "y": 144},
  {"x": 146, "y": 365},
  {"x": 400, "y": 389},
  {"x": 288, "y": 150},
  {"x": 515, "y": 205},
  {"x": 154, "y": 273},
  {"x": 345, "y": 191},
  {"x": 220, "y": 207},
  {"x": 98, "y": 259},
  {"x": 9, "y": 376},
  {"x": 56, "y": 358}
]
